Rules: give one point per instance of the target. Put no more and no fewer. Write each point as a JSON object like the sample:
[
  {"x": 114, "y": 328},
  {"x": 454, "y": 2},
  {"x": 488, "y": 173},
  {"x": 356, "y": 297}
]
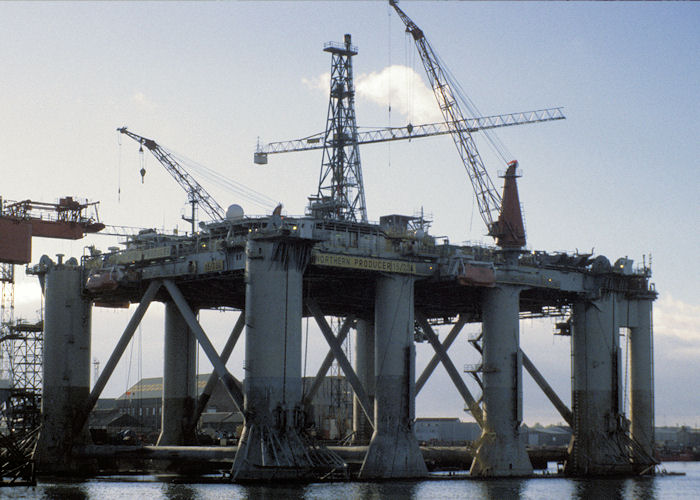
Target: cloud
[
  {"x": 404, "y": 88},
  {"x": 677, "y": 327},
  {"x": 320, "y": 82},
  {"x": 398, "y": 85}
]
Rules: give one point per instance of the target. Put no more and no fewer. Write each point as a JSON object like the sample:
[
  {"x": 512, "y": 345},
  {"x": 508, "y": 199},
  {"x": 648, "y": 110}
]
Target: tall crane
[
  {"x": 411, "y": 131},
  {"x": 196, "y": 194},
  {"x": 502, "y": 216}
]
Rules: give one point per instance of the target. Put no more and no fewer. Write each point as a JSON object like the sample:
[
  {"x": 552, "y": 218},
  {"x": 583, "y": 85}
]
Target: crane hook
[{"x": 143, "y": 162}]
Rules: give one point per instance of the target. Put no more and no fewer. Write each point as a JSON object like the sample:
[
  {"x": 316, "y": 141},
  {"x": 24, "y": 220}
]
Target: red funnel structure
[{"x": 509, "y": 230}]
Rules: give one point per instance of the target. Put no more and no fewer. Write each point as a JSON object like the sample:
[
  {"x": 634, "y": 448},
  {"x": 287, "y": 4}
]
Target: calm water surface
[{"x": 148, "y": 487}]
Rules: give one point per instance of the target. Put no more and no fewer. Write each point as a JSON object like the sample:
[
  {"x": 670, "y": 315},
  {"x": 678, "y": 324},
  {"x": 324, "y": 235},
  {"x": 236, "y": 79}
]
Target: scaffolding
[
  {"x": 7, "y": 313},
  {"x": 20, "y": 387},
  {"x": 23, "y": 346}
]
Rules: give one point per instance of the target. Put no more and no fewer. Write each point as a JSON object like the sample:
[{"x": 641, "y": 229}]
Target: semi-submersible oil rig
[{"x": 389, "y": 282}]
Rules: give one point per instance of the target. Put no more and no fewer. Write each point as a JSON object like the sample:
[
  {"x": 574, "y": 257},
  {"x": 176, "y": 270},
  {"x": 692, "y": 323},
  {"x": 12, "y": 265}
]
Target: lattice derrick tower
[{"x": 341, "y": 194}]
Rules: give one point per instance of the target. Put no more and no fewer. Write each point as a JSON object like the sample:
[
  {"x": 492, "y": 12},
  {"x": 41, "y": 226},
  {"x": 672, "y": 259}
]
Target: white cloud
[
  {"x": 404, "y": 89},
  {"x": 320, "y": 82},
  {"x": 677, "y": 326},
  {"x": 398, "y": 85}
]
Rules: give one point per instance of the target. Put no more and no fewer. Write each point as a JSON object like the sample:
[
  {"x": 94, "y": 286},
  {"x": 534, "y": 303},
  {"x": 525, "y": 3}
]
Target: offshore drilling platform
[{"x": 389, "y": 282}]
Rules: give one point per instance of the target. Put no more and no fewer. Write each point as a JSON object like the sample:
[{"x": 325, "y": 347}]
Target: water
[{"x": 150, "y": 487}]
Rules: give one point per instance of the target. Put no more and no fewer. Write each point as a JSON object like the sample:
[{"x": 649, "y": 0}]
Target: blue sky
[{"x": 206, "y": 79}]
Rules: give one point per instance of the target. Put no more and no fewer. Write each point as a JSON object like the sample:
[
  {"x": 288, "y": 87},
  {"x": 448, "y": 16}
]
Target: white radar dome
[{"x": 234, "y": 212}]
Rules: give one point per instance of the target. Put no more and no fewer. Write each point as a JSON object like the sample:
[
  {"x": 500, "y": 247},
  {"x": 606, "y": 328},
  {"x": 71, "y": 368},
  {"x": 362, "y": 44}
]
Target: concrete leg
[
  {"x": 501, "y": 450},
  {"x": 642, "y": 381},
  {"x": 271, "y": 444},
  {"x": 179, "y": 380},
  {"x": 66, "y": 378},
  {"x": 364, "y": 367},
  {"x": 393, "y": 451},
  {"x": 599, "y": 443}
]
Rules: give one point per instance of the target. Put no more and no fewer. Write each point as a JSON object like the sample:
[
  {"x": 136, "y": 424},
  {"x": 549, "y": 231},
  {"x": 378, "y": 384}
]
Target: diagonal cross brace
[
  {"x": 547, "y": 389},
  {"x": 207, "y": 347},
  {"x": 116, "y": 355},
  {"x": 450, "y": 367},
  {"x": 337, "y": 350},
  {"x": 430, "y": 367},
  {"x": 328, "y": 361},
  {"x": 214, "y": 377}
]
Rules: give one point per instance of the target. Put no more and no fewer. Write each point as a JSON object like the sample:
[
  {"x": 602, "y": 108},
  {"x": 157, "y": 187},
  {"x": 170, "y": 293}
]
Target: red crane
[{"x": 21, "y": 220}]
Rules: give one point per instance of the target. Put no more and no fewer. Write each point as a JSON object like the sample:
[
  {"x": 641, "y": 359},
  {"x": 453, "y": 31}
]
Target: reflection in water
[
  {"x": 285, "y": 491},
  {"x": 640, "y": 488},
  {"x": 599, "y": 488},
  {"x": 500, "y": 489},
  {"x": 147, "y": 487},
  {"x": 68, "y": 491},
  {"x": 398, "y": 490},
  {"x": 179, "y": 492},
  {"x": 393, "y": 490}
]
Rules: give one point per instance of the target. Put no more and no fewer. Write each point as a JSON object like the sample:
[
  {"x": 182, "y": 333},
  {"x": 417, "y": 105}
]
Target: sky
[{"x": 208, "y": 79}]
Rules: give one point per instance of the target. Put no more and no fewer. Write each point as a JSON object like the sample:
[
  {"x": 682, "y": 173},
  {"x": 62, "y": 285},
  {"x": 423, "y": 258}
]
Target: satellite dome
[
  {"x": 234, "y": 212},
  {"x": 601, "y": 264}
]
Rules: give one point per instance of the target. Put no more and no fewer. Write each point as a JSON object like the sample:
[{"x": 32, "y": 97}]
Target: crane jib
[
  {"x": 508, "y": 229},
  {"x": 196, "y": 194}
]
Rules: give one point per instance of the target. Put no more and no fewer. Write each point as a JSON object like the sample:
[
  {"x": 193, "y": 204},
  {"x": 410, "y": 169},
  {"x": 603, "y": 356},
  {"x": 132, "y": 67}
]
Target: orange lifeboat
[{"x": 103, "y": 281}]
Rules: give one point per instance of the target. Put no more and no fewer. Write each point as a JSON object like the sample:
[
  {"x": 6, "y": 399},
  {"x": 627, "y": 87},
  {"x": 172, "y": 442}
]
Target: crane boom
[
  {"x": 195, "y": 192},
  {"x": 488, "y": 198},
  {"x": 412, "y": 131}
]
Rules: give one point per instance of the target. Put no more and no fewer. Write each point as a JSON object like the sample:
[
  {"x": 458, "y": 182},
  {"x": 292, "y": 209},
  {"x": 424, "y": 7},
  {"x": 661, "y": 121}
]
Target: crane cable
[
  {"x": 494, "y": 141},
  {"x": 255, "y": 197},
  {"x": 259, "y": 199},
  {"x": 119, "y": 168},
  {"x": 389, "y": 88}
]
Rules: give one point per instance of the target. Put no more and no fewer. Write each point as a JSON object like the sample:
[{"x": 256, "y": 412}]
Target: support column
[
  {"x": 393, "y": 451},
  {"x": 501, "y": 450},
  {"x": 364, "y": 367},
  {"x": 66, "y": 377},
  {"x": 271, "y": 444},
  {"x": 179, "y": 380},
  {"x": 642, "y": 381},
  {"x": 599, "y": 443}
]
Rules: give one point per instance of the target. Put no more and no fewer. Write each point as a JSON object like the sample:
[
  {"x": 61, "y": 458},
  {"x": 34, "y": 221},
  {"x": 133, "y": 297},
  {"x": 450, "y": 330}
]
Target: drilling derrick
[{"x": 341, "y": 194}]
